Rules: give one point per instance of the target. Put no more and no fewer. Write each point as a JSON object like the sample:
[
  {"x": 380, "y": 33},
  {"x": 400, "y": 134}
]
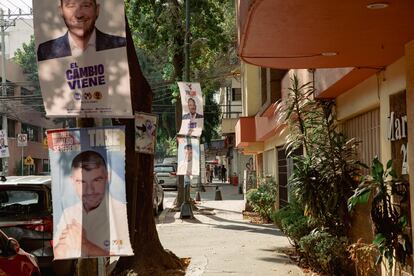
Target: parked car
[
  {"x": 26, "y": 215},
  {"x": 168, "y": 174},
  {"x": 158, "y": 196},
  {"x": 14, "y": 260}
]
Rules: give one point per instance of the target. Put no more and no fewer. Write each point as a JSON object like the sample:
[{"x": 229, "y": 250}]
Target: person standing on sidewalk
[
  {"x": 208, "y": 173},
  {"x": 223, "y": 173}
]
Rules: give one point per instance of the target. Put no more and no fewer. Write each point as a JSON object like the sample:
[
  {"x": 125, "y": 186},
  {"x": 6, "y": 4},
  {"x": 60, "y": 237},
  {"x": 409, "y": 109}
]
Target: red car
[
  {"x": 14, "y": 260},
  {"x": 26, "y": 215}
]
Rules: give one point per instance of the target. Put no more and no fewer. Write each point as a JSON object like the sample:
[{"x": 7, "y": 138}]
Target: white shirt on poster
[{"x": 106, "y": 227}]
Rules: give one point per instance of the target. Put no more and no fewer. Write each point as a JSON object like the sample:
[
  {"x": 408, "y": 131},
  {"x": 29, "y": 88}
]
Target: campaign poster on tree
[
  {"x": 193, "y": 115},
  {"x": 4, "y": 146},
  {"x": 88, "y": 191},
  {"x": 82, "y": 59},
  {"x": 188, "y": 156},
  {"x": 145, "y": 132}
]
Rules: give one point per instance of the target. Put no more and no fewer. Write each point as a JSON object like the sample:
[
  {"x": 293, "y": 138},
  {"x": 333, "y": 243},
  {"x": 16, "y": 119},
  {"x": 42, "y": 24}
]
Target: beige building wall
[
  {"x": 372, "y": 93},
  {"x": 251, "y": 97}
]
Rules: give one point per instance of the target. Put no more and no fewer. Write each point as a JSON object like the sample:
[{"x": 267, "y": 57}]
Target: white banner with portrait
[
  {"x": 145, "y": 132},
  {"x": 4, "y": 145},
  {"x": 188, "y": 156},
  {"x": 88, "y": 191},
  {"x": 82, "y": 58},
  {"x": 193, "y": 115}
]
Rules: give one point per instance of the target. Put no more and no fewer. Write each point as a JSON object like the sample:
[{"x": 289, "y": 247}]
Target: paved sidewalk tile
[{"x": 220, "y": 242}]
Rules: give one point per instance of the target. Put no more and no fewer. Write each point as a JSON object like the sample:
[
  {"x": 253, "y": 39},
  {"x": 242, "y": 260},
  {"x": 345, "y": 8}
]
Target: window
[
  {"x": 45, "y": 165},
  {"x": 271, "y": 85},
  {"x": 31, "y": 131},
  {"x": 11, "y": 128},
  {"x": 236, "y": 94},
  {"x": 18, "y": 197}
]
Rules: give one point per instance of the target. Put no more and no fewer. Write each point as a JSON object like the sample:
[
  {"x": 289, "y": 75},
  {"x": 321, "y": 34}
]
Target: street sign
[
  {"x": 28, "y": 161},
  {"x": 22, "y": 140}
]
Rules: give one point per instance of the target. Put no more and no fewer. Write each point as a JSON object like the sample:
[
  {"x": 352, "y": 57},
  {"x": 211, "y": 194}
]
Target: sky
[{"x": 15, "y": 5}]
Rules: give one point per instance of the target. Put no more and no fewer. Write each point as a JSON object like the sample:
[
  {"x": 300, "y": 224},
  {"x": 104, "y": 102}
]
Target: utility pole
[
  {"x": 186, "y": 209},
  {"x": 4, "y": 24}
]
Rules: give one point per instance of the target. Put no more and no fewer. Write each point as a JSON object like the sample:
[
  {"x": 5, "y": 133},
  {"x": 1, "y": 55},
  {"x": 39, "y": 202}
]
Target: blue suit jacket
[
  {"x": 59, "y": 47},
  {"x": 188, "y": 116}
]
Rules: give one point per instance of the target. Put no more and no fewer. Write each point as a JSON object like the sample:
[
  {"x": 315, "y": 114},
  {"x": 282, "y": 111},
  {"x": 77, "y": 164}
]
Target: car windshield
[{"x": 163, "y": 168}]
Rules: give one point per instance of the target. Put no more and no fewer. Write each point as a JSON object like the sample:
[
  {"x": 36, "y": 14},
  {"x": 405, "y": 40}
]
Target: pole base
[
  {"x": 218, "y": 195},
  {"x": 186, "y": 211},
  {"x": 198, "y": 197}
]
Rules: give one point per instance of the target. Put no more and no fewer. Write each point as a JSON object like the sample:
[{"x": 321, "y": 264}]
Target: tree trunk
[{"x": 150, "y": 257}]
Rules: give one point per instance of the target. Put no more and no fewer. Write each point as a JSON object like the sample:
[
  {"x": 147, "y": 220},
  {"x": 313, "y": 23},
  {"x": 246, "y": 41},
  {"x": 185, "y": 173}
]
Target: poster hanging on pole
[
  {"x": 4, "y": 145},
  {"x": 88, "y": 190},
  {"x": 145, "y": 132},
  {"x": 188, "y": 156},
  {"x": 83, "y": 66},
  {"x": 193, "y": 115}
]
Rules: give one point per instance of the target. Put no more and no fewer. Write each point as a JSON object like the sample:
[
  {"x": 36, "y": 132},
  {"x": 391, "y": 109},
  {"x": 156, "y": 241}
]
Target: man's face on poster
[
  {"x": 79, "y": 16},
  {"x": 192, "y": 106},
  {"x": 90, "y": 185}
]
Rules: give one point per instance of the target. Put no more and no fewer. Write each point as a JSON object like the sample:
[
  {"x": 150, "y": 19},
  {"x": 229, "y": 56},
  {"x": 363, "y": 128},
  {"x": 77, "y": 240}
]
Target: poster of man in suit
[
  {"x": 193, "y": 115},
  {"x": 81, "y": 53}
]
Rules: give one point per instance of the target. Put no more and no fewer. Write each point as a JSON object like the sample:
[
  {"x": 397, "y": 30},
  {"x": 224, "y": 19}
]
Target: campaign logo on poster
[
  {"x": 85, "y": 58},
  {"x": 193, "y": 115},
  {"x": 188, "y": 156},
  {"x": 4, "y": 146},
  {"x": 145, "y": 132},
  {"x": 88, "y": 190}
]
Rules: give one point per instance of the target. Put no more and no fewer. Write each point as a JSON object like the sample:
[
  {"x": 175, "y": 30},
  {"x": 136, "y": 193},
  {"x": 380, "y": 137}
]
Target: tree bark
[{"x": 150, "y": 258}]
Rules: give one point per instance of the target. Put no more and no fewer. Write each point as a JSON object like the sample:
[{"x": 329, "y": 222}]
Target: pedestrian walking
[
  {"x": 223, "y": 173},
  {"x": 216, "y": 172}
]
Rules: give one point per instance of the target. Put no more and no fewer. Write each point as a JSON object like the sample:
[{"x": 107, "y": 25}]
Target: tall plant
[
  {"x": 389, "y": 221},
  {"x": 323, "y": 178}
]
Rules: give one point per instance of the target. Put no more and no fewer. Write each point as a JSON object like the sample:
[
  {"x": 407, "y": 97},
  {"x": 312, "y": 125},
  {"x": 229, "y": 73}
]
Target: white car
[{"x": 168, "y": 174}]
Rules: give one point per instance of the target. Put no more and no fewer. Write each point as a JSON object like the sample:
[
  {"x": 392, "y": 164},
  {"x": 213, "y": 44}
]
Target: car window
[
  {"x": 163, "y": 169},
  {"x": 22, "y": 202},
  {"x": 18, "y": 197}
]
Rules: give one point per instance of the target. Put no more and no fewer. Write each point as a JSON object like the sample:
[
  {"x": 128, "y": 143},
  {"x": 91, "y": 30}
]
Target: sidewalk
[{"x": 220, "y": 242}]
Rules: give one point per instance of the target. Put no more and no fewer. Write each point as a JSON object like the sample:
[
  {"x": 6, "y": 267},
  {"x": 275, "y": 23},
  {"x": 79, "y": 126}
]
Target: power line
[{"x": 25, "y": 4}]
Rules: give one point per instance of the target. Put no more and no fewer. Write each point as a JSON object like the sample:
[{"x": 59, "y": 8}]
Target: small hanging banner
[
  {"x": 188, "y": 156},
  {"x": 145, "y": 132},
  {"x": 193, "y": 115},
  {"x": 4, "y": 146},
  {"x": 88, "y": 190},
  {"x": 82, "y": 58}
]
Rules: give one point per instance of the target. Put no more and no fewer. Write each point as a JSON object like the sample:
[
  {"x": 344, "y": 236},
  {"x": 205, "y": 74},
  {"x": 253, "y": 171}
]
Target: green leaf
[
  {"x": 403, "y": 221},
  {"x": 389, "y": 164},
  {"x": 378, "y": 239}
]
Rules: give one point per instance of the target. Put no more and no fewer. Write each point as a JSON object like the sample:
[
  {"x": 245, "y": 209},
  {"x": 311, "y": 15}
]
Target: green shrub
[
  {"x": 263, "y": 198},
  {"x": 292, "y": 222},
  {"x": 325, "y": 251}
]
